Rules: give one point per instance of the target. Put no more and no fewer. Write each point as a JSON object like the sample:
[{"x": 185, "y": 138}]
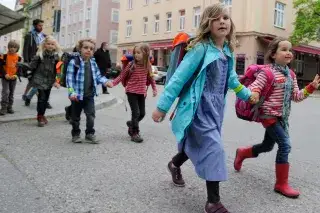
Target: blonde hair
[
  {"x": 57, "y": 50},
  {"x": 145, "y": 49},
  {"x": 210, "y": 14},
  {"x": 14, "y": 44},
  {"x": 80, "y": 43}
]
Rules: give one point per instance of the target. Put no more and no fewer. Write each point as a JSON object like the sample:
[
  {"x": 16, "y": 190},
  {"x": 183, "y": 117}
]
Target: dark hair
[
  {"x": 272, "y": 49},
  {"x": 37, "y": 21},
  {"x": 102, "y": 44}
]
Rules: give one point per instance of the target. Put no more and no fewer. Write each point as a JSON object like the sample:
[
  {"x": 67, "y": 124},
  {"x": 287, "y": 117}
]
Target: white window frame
[
  {"x": 279, "y": 14},
  {"x": 196, "y": 16},
  {"x": 169, "y": 22},
  {"x": 88, "y": 13},
  {"x": 146, "y": 2},
  {"x": 145, "y": 25},
  {"x": 182, "y": 20},
  {"x": 130, "y": 4},
  {"x": 113, "y": 12},
  {"x": 87, "y": 32},
  {"x": 228, "y": 5},
  {"x": 156, "y": 28},
  {"x": 112, "y": 33},
  {"x": 128, "y": 28}
]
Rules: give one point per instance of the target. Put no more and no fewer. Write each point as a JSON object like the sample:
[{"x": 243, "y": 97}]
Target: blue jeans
[{"x": 275, "y": 134}]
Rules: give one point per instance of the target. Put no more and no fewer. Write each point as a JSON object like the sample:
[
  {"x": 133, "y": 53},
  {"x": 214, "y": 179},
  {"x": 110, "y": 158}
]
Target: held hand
[
  {"x": 158, "y": 116},
  {"x": 254, "y": 99},
  {"x": 7, "y": 77},
  {"x": 73, "y": 98},
  {"x": 56, "y": 85},
  {"x": 14, "y": 77},
  {"x": 316, "y": 82},
  {"x": 155, "y": 93},
  {"x": 109, "y": 84}
]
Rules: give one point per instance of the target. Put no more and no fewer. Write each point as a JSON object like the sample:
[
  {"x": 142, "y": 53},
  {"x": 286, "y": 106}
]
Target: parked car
[{"x": 159, "y": 74}]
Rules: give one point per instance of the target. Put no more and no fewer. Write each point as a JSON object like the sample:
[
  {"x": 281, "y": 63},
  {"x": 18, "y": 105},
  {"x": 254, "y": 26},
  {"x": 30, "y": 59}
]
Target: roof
[{"x": 10, "y": 21}]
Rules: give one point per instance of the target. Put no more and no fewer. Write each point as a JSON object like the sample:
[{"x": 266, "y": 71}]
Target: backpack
[
  {"x": 127, "y": 60},
  {"x": 252, "y": 112},
  {"x": 20, "y": 71},
  {"x": 180, "y": 43},
  {"x": 66, "y": 58}
]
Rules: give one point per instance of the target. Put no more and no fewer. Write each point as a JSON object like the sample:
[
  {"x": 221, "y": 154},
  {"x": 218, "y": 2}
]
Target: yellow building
[{"x": 48, "y": 11}]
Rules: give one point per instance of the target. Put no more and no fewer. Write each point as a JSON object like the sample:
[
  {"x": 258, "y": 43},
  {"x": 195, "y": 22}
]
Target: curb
[{"x": 61, "y": 113}]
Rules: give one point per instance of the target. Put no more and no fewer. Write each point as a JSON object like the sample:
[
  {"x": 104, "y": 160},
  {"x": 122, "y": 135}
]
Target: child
[
  {"x": 138, "y": 73},
  {"x": 82, "y": 89},
  {"x": 276, "y": 110},
  {"x": 43, "y": 66},
  {"x": 198, "y": 121},
  {"x": 9, "y": 80}
]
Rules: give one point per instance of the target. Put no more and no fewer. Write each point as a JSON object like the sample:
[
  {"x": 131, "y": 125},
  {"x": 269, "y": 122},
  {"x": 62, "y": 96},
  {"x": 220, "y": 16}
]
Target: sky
[{"x": 8, "y": 3}]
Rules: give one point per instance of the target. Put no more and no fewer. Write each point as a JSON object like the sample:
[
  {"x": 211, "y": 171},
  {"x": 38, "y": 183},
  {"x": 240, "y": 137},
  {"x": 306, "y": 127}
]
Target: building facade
[
  {"x": 97, "y": 19},
  {"x": 50, "y": 10},
  {"x": 257, "y": 23}
]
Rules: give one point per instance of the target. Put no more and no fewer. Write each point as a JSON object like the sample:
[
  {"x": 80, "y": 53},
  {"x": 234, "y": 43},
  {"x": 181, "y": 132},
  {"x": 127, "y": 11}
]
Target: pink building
[{"x": 97, "y": 19}]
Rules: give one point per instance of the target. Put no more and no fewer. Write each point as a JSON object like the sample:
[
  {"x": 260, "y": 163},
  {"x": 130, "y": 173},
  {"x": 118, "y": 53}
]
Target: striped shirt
[
  {"x": 274, "y": 104},
  {"x": 137, "y": 81}
]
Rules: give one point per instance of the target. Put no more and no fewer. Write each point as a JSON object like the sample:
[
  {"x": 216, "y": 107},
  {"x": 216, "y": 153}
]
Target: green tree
[{"x": 307, "y": 23}]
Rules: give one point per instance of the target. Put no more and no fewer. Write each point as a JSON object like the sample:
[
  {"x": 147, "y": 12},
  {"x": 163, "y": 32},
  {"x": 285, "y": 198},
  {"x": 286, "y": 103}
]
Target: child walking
[
  {"x": 82, "y": 84},
  {"x": 276, "y": 110},
  {"x": 8, "y": 63},
  {"x": 44, "y": 77},
  {"x": 138, "y": 74},
  {"x": 198, "y": 121}
]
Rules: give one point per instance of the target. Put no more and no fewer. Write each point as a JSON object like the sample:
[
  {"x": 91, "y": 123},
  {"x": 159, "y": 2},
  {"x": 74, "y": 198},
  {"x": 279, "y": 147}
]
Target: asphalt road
[{"x": 43, "y": 172}]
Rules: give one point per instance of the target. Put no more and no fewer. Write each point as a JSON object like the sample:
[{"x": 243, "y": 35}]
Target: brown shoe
[
  {"x": 215, "y": 207},
  {"x": 41, "y": 121},
  {"x": 177, "y": 178}
]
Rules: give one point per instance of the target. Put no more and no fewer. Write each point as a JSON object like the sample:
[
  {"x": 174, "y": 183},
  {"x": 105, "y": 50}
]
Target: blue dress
[{"x": 202, "y": 142}]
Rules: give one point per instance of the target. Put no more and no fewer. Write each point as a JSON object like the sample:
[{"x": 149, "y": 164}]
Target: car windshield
[{"x": 162, "y": 69}]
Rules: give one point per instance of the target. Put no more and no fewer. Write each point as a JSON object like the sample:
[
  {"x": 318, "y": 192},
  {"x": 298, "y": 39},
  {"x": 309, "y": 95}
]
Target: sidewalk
[{"x": 58, "y": 100}]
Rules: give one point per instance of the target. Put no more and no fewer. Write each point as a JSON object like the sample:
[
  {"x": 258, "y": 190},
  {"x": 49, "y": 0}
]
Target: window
[
  {"x": 69, "y": 40},
  {"x": 70, "y": 18},
  {"x": 88, "y": 13},
  {"x": 145, "y": 25},
  {"x": 260, "y": 58},
  {"x": 279, "y": 15},
  {"x": 169, "y": 22},
  {"x": 228, "y": 4},
  {"x": 80, "y": 34},
  {"x": 75, "y": 17},
  {"x": 196, "y": 17},
  {"x": 156, "y": 1},
  {"x": 240, "y": 63},
  {"x": 115, "y": 15},
  {"x": 130, "y": 4},
  {"x": 5, "y": 38},
  {"x": 62, "y": 40},
  {"x": 113, "y": 37},
  {"x": 81, "y": 15},
  {"x": 87, "y": 33},
  {"x": 129, "y": 28},
  {"x": 116, "y": 1},
  {"x": 182, "y": 19},
  {"x": 73, "y": 38},
  {"x": 146, "y": 2},
  {"x": 156, "y": 23}
]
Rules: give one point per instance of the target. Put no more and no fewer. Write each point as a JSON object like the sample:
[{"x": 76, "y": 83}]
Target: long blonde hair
[
  {"x": 41, "y": 49},
  {"x": 204, "y": 31},
  {"x": 145, "y": 49}
]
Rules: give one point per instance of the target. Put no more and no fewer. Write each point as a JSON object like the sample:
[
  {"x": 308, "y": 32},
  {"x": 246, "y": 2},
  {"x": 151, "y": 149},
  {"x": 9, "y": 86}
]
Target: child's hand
[
  {"x": 8, "y": 77},
  {"x": 158, "y": 116},
  {"x": 73, "y": 98},
  {"x": 56, "y": 85},
  {"x": 254, "y": 99},
  {"x": 155, "y": 93},
  {"x": 109, "y": 84},
  {"x": 316, "y": 82}
]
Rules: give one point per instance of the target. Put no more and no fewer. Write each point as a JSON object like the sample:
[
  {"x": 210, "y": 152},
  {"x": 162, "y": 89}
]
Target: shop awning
[
  {"x": 266, "y": 39},
  {"x": 161, "y": 45},
  {"x": 307, "y": 49},
  {"x": 10, "y": 21}
]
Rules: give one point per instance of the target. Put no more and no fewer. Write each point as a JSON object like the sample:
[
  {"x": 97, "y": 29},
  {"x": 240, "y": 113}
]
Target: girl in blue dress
[{"x": 198, "y": 120}]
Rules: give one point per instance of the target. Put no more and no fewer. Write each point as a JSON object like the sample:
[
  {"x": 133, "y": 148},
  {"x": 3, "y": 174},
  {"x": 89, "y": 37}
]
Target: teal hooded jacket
[{"x": 189, "y": 100}]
